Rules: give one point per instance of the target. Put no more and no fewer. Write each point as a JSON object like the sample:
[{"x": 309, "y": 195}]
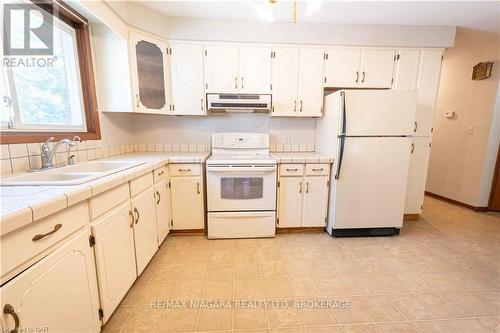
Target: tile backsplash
[{"x": 22, "y": 157}]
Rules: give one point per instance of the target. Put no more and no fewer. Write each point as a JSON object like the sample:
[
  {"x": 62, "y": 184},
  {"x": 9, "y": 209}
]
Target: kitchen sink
[{"x": 69, "y": 175}]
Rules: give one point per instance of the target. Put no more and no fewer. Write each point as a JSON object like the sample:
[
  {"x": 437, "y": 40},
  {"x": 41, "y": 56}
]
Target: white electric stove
[{"x": 241, "y": 186}]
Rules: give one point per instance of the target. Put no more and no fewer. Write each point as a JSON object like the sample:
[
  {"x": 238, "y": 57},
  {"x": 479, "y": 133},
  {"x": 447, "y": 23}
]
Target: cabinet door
[
  {"x": 58, "y": 293},
  {"x": 255, "y": 69},
  {"x": 290, "y": 202},
  {"x": 428, "y": 86},
  {"x": 186, "y": 68},
  {"x": 407, "y": 66},
  {"x": 221, "y": 69},
  {"x": 187, "y": 203},
  {"x": 163, "y": 217},
  {"x": 115, "y": 256},
  {"x": 377, "y": 68},
  {"x": 284, "y": 80},
  {"x": 145, "y": 236},
  {"x": 149, "y": 74},
  {"x": 342, "y": 67},
  {"x": 315, "y": 201},
  {"x": 417, "y": 174},
  {"x": 310, "y": 89}
]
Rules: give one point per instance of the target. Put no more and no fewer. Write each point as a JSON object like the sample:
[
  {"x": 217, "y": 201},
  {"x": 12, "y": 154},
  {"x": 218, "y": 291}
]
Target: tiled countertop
[
  {"x": 21, "y": 205},
  {"x": 309, "y": 157}
]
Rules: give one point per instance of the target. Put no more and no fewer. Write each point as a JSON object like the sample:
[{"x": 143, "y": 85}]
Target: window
[{"x": 46, "y": 95}]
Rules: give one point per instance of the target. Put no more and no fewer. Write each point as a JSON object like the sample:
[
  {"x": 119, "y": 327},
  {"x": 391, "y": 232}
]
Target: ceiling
[{"x": 471, "y": 14}]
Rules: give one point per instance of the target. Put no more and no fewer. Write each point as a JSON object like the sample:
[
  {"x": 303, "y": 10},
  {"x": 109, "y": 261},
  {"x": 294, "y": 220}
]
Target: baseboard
[
  {"x": 411, "y": 217},
  {"x": 458, "y": 203},
  {"x": 188, "y": 232},
  {"x": 300, "y": 230}
]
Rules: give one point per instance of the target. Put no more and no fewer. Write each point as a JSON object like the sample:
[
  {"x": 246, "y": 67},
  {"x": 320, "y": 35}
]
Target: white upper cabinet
[
  {"x": 284, "y": 80},
  {"x": 377, "y": 66},
  {"x": 221, "y": 69},
  {"x": 407, "y": 67},
  {"x": 342, "y": 67},
  {"x": 149, "y": 74},
  {"x": 254, "y": 69},
  {"x": 310, "y": 89},
  {"x": 186, "y": 73}
]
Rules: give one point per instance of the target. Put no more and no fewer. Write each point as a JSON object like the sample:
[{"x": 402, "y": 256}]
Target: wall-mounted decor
[{"x": 482, "y": 70}]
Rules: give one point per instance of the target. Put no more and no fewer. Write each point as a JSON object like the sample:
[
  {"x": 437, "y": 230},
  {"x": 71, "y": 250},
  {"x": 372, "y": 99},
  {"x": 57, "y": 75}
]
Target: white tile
[
  {"x": 295, "y": 147},
  {"x": 310, "y": 147},
  {"x": 46, "y": 207},
  {"x": 150, "y": 147},
  {"x": 200, "y": 148},
  {"x": 91, "y": 154},
  {"x": 20, "y": 164},
  {"x": 78, "y": 194},
  {"x": 159, "y": 147},
  {"x": 176, "y": 147},
  {"x": 192, "y": 148},
  {"x": 82, "y": 156},
  {"x": 142, "y": 147},
  {"x": 18, "y": 150},
  {"x": 167, "y": 147},
  {"x": 303, "y": 147},
  {"x": 82, "y": 145},
  {"x": 5, "y": 167},
  {"x": 105, "y": 151},
  {"x": 35, "y": 162},
  {"x": 34, "y": 149},
  {"x": 184, "y": 147},
  {"x": 287, "y": 147},
  {"x": 98, "y": 153},
  {"x": 4, "y": 152},
  {"x": 16, "y": 219},
  {"x": 279, "y": 147}
]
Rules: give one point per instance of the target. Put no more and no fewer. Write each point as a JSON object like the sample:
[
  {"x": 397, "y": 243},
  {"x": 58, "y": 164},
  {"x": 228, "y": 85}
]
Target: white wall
[{"x": 463, "y": 146}]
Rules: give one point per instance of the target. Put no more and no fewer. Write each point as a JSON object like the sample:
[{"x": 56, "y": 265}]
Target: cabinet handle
[
  {"x": 132, "y": 216},
  {"x": 300, "y": 187},
  {"x": 301, "y": 106},
  {"x": 184, "y": 170},
  {"x": 357, "y": 76},
  {"x": 294, "y": 106},
  {"x": 137, "y": 100},
  {"x": 307, "y": 187},
  {"x": 235, "y": 83},
  {"x": 363, "y": 79},
  {"x": 415, "y": 127},
  {"x": 295, "y": 169},
  {"x": 198, "y": 188},
  {"x": 242, "y": 85},
  {"x": 412, "y": 148},
  {"x": 138, "y": 215},
  {"x": 40, "y": 236},
  {"x": 9, "y": 309},
  {"x": 318, "y": 169},
  {"x": 161, "y": 173},
  {"x": 202, "y": 104},
  {"x": 159, "y": 197}
]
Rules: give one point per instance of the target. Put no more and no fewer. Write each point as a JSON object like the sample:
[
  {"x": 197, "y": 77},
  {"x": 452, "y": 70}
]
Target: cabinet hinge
[
  {"x": 327, "y": 56},
  {"x": 277, "y": 221},
  {"x": 101, "y": 314},
  {"x": 397, "y": 57},
  {"x": 271, "y": 86},
  {"x": 278, "y": 183},
  {"x": 206, "y": 85},
  {"x": 328, "y": 183},
  {"x": 325, "y": 219},
  {"x": 325, "y": 79},
  {"x": 430, "y": 144},
  {"x": 442, "y": 57},
  {"x": 169, "y": 184},
  {"x": 392, "y": 80},
  {"x": 91, "y": 240},
  {"x": 206, "y": 53},
  {"x": 171, "y": 223}
]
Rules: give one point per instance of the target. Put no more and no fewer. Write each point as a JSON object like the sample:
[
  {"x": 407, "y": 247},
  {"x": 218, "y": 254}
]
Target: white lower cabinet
[
  {"x": 163, "y": 209},
  {"x": 115, "y": 256},
  {"x": 417, "y": 174},
  {"x": 145, "y": 235},
  {"x": 303, "y": 196},
  {"x": 57, "y": 294}
]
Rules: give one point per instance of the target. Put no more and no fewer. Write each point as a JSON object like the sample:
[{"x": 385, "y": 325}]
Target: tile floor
[{"x": 442, "y": 274}]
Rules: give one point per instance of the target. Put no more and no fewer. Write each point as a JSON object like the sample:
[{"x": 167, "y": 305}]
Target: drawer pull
[
  {"x": 161, "y": 173},
  {"x": 9, "y": 309},
  {"x": 41, "y": 236},
  {"x": 295, "y": 169},
  {"x": 138, "y": 215},
  {"x": 159, "y": 197},
  {"x": 300, "y": 187},
  {"x": 184, "y": 170},
  {"x": 318, "y": 169},
  {"x": 307, "y": 187},
  {"x": 132, "y": 216}
]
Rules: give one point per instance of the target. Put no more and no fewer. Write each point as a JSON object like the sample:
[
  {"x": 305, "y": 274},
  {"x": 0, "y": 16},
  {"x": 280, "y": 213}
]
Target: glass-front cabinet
[{"x": 151, "y": 86}]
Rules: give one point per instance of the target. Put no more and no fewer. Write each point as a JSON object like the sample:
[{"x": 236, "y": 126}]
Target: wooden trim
[
  {"x": 458, "y": 203},
  {"x": 494, "y": 180},
  {"x": 187, "y": 232},
  {"x": 79, "y": 23},
  {"x": 411, "y": 217},
  {"x": 300, "y": 230}
]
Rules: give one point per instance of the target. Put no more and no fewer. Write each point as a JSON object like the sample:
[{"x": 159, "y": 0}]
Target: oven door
[{"x": 241, "y": 188}]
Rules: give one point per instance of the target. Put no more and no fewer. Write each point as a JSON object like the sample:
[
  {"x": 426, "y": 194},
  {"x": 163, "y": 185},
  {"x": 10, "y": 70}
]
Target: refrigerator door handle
[
  {"x": 344, "y": 118},
  {"x": 341, "y": 155}
]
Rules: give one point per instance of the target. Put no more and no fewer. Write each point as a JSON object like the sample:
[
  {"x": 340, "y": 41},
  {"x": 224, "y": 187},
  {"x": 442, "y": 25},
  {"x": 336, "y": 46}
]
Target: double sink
[{"x": 70, "y": 174}]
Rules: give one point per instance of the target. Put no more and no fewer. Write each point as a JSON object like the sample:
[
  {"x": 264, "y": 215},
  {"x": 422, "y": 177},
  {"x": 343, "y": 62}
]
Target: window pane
[
  {"x": 51, "y": 94},
  {"x": 242, "y": 188}
]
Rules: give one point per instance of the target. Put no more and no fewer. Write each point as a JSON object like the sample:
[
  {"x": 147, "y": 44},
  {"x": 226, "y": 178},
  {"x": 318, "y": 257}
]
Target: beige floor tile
[
  {"x": 215, "y": 319},
  {"x": 432, "y": 326},
  {"x": 194, "y": 271},
  {"x": 380, "y": 309},
  {"x": 290, "y": 330},
  {"x": 168, "y": 273},
  {"x": 396, "y": 328},
  {"x": 143, "y": 319},
  {"x": 333, "y": 286},
  {"x": 117, "y": 320},
  {"x": 467, "y": 326},
  {"x": 225, "y": 256},
  {"x": 189, "y": 290},
  {"x": 218, "y": 290},
  {"x": 284, "y": 317},
  {"x": 304, "y": 287},
  {"x": 298, "y": 268},
  {"x": 476, "y": 303},
  {"x": 179, "y": 320},
  {"x": 411, "y": 307},
  {"x": 133, "y": 294},
  {"x": 273, "y": 269},
  {"x": 493, "y": 323},
  {"x": 352, "y": 313},
  {"x": 156, "y": 291},
  {"x": 440, "y": 305},
  {"x": 250, "y": 318},
  {"x": 321, "y": 269},
  {"x": 360, "y": 328},
  {"x": 248, "y": 289},
  {"x": 316, "y": 313},
  {"x": 218, "y": 271},
  {"x": 246, "y": 270},
  {"x": 324, "y": 329},
  {"x": 245, "y": 255},
  {"x": 276, "y": 288}
]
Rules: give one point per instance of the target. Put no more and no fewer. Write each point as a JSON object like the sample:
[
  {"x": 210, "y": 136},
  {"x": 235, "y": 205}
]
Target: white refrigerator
[{"x": 368, "y": 133}]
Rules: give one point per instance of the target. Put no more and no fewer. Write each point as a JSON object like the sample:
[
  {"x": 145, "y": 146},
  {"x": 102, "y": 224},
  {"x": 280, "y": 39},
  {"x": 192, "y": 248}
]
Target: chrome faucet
[{"x": 47, "y": 154}]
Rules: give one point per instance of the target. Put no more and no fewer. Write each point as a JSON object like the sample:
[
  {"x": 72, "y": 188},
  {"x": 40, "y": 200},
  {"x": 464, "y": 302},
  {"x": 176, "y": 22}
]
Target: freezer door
[
  {"x": 371, "y": 185},
  {"x": 379, "y": 112}
]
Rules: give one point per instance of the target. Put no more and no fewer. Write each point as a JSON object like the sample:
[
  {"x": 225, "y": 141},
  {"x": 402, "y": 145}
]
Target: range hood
[{"x": 220, "y": 103}]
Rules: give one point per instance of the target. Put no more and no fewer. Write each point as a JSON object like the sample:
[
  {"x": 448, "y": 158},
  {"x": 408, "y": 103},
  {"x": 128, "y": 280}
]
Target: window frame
[{"x": 89, "y": 99}]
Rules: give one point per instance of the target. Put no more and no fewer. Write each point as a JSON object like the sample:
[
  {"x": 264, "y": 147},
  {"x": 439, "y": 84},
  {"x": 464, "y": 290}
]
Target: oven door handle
[{"x": 241, "y": 169}]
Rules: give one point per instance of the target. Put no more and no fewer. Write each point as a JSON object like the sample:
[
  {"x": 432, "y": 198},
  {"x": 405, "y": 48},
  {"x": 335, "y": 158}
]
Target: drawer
[
  {"x": 20, "y": 246},
  {"x": 160, "y": 174},
  {"x": 291, "y": 169},
  {"x": 141, "y": 183},
  {"x": 322, "y": 169},
  {"x": 108, "y": 200},
  {"x": 177, "y": 170}
]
